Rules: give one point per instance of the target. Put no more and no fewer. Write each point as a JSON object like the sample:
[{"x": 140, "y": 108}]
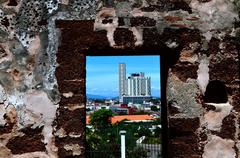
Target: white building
[
  {"x": 138, "y": 85},
  {"x": 136, "y": 88}
]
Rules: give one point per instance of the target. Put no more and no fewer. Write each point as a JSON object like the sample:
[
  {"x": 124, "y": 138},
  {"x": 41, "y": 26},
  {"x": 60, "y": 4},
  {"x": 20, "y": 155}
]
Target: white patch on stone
[
  {"x": 216, "y": 14},
  {"x": 61, "y": 133},
  {"x": 154, "y": 15},
  {"x": 34, "y": 45},
  {"x": 28, "y": 118},
  {"x": 28, "y": 80},
  {"x": 8, "y": 56},
  {"x": 203, "y": 74},
  {"x": 73, "y": 107},
  {"x": 65, "y": 2},
  {"x": 171, "y": 44},
  {"x": 136, "y": 12},
  {"x": 72, "y": 135},
  {"x": 238, "y": 147},
  {"x": 33, "y": 155},
  {"x": 138, "y": 35},
  {"x": 2, "y": 113},
  {"x": 110, "y": 28},
  {"x": 51, "y": 6},
  {"x": 75, "y": 148},
  {"x": 16, "y": 99},
  {"x": 68, "y": 95},
  {"x": 208, "y": 35},
  {"x": 2, "y": 94},
  {"x": 145, "y": 3},
  {"x": 110, "y": 35},
  {"x": 38, "y": 103},
  {"x": 25, "y": 39},
  {"x": 219, "y": 148},
  {"x": 214, "y": 119}
]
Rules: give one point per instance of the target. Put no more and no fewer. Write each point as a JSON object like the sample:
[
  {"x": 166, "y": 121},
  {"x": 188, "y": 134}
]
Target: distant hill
[{"x": 92, "y": 96}]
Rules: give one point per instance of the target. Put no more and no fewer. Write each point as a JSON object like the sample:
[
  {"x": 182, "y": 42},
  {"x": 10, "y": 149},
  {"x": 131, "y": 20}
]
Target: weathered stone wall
[{"x": 42, "y": 70}]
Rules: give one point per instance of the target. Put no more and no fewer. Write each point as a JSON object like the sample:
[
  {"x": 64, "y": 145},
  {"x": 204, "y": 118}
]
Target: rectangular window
[{"x": 123, "y": 94}]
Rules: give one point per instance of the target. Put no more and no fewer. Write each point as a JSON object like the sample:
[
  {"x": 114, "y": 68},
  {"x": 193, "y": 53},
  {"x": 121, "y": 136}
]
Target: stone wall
[{"x": 42, "y": 70}]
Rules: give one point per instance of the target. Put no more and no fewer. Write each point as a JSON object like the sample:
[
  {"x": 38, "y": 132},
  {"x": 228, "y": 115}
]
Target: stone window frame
[
  {"x": 168, "y": 57},
  {"x": 163, "y": 77}
]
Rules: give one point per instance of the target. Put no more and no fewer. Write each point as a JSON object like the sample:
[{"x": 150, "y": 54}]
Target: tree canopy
[{"x": 101, "y": 119}]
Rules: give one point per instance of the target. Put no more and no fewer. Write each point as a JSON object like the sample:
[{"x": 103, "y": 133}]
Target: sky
[{"x": 102, "y": 73}]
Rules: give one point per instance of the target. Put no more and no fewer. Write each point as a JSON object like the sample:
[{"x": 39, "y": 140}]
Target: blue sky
[{"x": 102, "y": 73}]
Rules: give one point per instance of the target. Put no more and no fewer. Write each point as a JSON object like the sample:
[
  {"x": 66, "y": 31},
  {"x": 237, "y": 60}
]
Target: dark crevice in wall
[
  {"x": 12, "y": 3},
  {"x": 166, "y": 5},
  {"x": 209, "y": 107},
  {"x": 216, "y": 92},
  {"x": 172, "y": 110},
  {"x": 204, "y": 1},
  {"x": 124, "y": 37},
  {"x": 7, "y": 128}
]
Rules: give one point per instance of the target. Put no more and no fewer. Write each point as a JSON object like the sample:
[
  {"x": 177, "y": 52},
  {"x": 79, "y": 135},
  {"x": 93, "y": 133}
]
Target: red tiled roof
[{"x": 116, "y": 119}]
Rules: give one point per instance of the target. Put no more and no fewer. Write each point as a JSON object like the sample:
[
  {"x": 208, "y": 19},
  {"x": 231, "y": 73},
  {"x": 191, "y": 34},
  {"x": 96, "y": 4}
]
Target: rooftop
[{"x": 135, "y": 118}]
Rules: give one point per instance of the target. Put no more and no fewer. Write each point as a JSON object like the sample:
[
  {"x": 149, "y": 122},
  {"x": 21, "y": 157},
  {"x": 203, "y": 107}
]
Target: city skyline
[{"x": 102, "y": 73}]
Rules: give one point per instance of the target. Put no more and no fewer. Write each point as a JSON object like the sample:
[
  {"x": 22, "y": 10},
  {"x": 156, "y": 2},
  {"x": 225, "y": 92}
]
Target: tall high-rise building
[
  {"x": 135, "y": 88},
  {"x": 122, "y": 80},
  {"x": 138, "y": 85}
]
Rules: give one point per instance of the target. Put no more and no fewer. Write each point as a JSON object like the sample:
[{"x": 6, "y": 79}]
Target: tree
[
  {"x": 144, "y": 131},
  {"x": 154, "y": 101},
  {"x": 157, "y": 132},
  {"x": 154, "y": 108},
  {"x": 101, "y": 119}
]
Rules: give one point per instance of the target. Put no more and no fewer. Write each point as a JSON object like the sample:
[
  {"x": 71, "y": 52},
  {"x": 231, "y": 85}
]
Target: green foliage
[
  {"x": 152, "y": 140},
  {"x": 101, "y": 119},
  {"x": 105, "y": 142},
  {"x": 144, "y": 131},
  {"x": 157, "y": 132},
  {"x": 93, "y": 140},
  {"x": 157, "y": 121},
  {"x": 154, "y": 108},
  {"x": 154, "y": 101},
  {"x": 138, "y": 152},
  {"x": 102, "y": 143}
]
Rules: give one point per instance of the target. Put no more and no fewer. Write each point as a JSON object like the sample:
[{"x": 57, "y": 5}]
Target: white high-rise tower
[{"x": 122, "y": 80}]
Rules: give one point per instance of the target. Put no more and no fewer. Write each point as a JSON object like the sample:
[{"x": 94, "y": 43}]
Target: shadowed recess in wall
[{"x": 216, "y": 92}]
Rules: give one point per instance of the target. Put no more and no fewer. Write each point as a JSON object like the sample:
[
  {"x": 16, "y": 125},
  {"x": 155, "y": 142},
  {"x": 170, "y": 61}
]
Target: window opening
[{"x": 123, "y": 93}]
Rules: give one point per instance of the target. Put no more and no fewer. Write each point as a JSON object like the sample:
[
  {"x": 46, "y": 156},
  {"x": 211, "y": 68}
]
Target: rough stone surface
[
  {"x": 43, "y": 75},
  {"x": 31, "y": 142}
]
